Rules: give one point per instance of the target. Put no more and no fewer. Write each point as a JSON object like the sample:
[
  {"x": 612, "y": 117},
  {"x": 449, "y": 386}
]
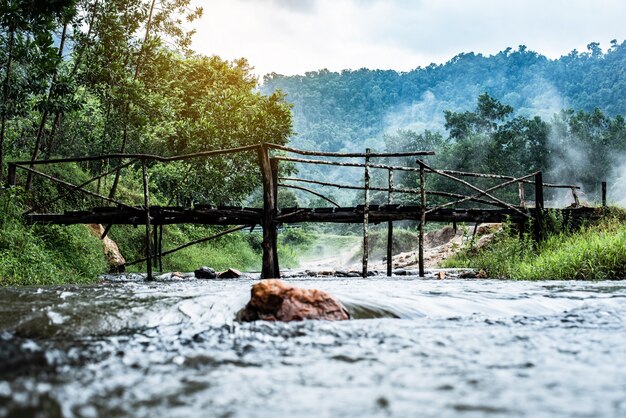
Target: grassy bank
[
  {"x": 594, "y": 252},
  {"x": 32, "y": 255},
  {"x": 45, "y": 255}
]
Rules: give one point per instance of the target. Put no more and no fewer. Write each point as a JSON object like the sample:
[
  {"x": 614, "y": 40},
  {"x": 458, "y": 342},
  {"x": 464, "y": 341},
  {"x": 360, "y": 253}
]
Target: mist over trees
[
  {"x": 333, "y": 111},
  {"x": 510, "y": 113}
]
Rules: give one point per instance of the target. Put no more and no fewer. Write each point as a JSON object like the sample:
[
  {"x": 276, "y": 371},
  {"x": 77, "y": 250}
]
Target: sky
[{"x": 294, "y": 36}]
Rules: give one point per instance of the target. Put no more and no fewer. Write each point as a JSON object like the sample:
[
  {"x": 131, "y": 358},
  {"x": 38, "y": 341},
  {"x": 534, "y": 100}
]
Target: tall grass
[
  {"x": 32, "y": 255},
  {"x": 593, "y": 252}
]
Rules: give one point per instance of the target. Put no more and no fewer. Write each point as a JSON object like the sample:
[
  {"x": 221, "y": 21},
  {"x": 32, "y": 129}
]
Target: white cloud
[{"x": 294, "y": 36}]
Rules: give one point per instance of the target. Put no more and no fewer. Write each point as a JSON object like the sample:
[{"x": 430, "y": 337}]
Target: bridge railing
[
  {"x": 478, "y": 194},
  {"x": 269, "y": 156}
]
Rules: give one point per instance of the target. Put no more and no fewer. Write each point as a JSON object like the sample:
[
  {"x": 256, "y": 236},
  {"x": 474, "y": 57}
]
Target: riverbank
[{"x": 596, "y": 251}]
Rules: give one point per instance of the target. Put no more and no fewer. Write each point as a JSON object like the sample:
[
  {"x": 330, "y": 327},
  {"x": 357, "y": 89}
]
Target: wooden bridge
[{"x": 270, "y": 216}]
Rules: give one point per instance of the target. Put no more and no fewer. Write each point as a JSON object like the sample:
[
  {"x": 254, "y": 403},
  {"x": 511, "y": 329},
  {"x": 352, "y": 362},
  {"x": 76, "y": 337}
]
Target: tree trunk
[
  {"x": 58, "y": 117},
  {"x": 46, "y": 111},
  {"x": 128, "y": 105},
  {"x": 5, "y": 101}
]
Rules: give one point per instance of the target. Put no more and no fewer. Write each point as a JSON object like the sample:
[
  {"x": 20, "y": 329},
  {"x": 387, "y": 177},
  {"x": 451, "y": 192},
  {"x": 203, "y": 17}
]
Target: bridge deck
[{"x": 229, "y": 215}]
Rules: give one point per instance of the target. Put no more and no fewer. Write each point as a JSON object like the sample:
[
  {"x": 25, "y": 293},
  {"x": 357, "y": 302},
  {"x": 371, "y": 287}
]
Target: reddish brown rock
[{"x": 275, "y": 300}]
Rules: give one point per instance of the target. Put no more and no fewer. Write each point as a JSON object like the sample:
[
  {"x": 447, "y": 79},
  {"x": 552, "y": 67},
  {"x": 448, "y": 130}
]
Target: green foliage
[
  {"x": 594, "y": 252},
  {"x": 33, "y": 255}
]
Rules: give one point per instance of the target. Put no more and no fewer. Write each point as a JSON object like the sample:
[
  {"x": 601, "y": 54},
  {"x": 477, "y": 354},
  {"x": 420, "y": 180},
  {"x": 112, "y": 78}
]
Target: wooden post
[
  {"x": 366, "y": 213},
  {"x": 274, "y": 167},
  {"x": 146, "y": 205},
  {"x": 422, "y": 219},
  {"x": 270, "y": 253},
  {"x": 11, "y": 175},
  {"x": 160, "y": 252},
  {"x": 155, "y": 246},
  {"x": 522, "y": 198},
  {"x": 538, "y": 207},
  {"x": 604, "y": 194},
  {"x": 389, "y": 226},
  {"x": 575, "y": 196}
]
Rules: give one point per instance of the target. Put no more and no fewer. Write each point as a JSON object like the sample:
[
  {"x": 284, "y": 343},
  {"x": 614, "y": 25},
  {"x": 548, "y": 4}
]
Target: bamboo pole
[
  {"x": 576, "y": 198},
  {"x": 155, "y": 247},
  {"x": 366, "y": 210},
  {"x": 147, "y": 157},
  {"x": 395, "y": 190},
  {"x": 422, "y": 220},
  {"x": 160, "y": 252},
  {"x": 274, "y": 168},
  {"x": 389, "y": 225},
  {"x": 522, "y": 198},
  {"x": 11, "y": 175},
  {"x": 482, "y": 193},
  {"x": 538, "y": 206},
  {"x": 194, "y": 242},
  {"x": 416, "y": 170},
  {"x": 291, "y": 186},
  {"x": 146, "y": 205},
  {"x": 471, "y": 186},
  {"x": 349, "y": 154},
  {"x": 74, "y": 187}
]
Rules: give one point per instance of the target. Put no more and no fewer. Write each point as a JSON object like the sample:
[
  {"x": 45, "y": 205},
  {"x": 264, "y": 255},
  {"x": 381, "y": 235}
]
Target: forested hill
[{"x": 334, "y": 111}]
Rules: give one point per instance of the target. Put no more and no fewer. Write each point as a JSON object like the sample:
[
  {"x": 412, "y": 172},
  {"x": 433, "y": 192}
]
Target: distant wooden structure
[{"x": 154, "y": 218}]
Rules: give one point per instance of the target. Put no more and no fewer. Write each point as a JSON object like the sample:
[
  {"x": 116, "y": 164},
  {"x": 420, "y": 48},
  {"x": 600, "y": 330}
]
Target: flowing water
[{"x": 416, "y": 347}]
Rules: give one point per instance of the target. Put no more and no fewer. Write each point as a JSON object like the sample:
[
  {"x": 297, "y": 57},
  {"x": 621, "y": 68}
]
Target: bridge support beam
[
  {"x": 389, "y": 225},
  {"x": 270, "y": 268},
  {"x": 538, "y": 227},
  {"x": 146, "y": 205},
  {"x": 422, "y": 218},
  {"x": 366, "y": 213}
]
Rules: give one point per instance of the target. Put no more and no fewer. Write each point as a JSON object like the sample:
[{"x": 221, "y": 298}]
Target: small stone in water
[
  {"x": 205, "y": 273},
  {"x": 229, "y": 274}
]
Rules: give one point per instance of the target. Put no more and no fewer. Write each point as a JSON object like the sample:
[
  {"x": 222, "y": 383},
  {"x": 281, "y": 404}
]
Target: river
[{"x": 416, "y": 347}]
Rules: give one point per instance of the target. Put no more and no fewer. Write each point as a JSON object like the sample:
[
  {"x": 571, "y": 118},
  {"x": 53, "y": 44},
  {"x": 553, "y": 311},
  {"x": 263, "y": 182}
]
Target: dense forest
[
  {"x": 86, "y": 77},
  {"x": 513, "y": 112},
  {"x": 341, "y": 110},
  {"x": 91, "y": 77}
]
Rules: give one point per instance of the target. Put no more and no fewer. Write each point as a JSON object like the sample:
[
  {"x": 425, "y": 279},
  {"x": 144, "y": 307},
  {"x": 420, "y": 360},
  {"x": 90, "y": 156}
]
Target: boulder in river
[
  {"x": 205, "y": 273},
  {"x": 275, "y": 300},
  {"x": 112, "y": 253}
]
